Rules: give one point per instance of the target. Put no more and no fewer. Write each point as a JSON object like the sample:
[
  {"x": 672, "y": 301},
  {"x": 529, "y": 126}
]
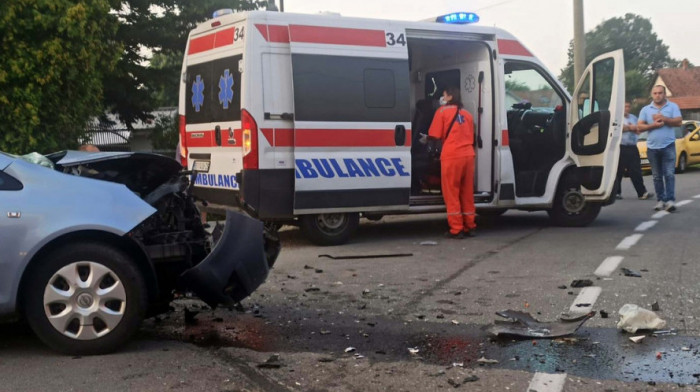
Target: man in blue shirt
[
  {"x": 629, "y": 157},
  {"x": 659, "y": 118}
]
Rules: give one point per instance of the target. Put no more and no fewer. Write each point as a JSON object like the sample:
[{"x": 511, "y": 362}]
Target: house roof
[
  {"x": 691, "y": 102},
  {"x": 681, "y": 82}
]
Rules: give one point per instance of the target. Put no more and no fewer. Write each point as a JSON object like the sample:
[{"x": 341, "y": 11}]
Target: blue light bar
[
  {"x": 222, "y": 12},
  {"x": 458, "y": 18}
]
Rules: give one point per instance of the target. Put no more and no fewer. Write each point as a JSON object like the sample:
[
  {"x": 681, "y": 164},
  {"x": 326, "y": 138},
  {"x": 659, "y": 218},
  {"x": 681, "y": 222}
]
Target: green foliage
[
  {"x": 165, "y": 133},
  {"x": 55, "y": 54},
  {"x": 644, "y": 52},
  {"x": 516, "y": 85}
]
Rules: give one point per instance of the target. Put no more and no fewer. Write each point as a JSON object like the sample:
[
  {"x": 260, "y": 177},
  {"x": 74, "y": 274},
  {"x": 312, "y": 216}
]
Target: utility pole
[{"x": 579, "y": 42}]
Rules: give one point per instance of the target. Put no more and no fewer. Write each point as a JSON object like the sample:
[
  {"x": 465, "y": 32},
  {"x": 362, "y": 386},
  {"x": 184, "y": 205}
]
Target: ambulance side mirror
[{"x": 400, "y": 135}]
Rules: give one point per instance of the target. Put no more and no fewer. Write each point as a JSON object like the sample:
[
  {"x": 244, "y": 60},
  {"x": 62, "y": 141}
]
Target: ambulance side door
[
  {"x": 351, "y": 117},
  {"x": 595, "y": 124}
]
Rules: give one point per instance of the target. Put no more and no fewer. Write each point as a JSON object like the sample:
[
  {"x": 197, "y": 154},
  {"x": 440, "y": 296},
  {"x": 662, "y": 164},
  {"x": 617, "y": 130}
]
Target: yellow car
[{"x": 687, "y": 146}]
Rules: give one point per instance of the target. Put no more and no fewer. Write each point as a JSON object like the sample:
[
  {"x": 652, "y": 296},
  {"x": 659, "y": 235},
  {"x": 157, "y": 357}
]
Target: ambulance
[{"x": 311, "y": 120}]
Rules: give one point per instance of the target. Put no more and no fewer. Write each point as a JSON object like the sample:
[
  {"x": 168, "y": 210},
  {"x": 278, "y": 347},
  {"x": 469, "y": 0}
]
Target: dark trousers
[{"x": 631, "y": 163}]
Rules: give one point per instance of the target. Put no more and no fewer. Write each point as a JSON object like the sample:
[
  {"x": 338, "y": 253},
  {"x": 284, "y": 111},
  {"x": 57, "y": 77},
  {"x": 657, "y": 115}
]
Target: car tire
[
  {"x": 329, "y": 229},
  {"x": 85, "y": 299},
  {"x": 682, "y": 163},
  {"x": 570, "y": 209}
]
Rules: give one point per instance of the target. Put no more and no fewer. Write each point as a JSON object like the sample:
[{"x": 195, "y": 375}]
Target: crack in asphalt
[{"x": 410, "y": 306}]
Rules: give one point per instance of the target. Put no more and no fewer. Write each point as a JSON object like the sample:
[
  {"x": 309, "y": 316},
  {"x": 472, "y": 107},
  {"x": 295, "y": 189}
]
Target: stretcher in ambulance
[{"x": 318, "y": 120}]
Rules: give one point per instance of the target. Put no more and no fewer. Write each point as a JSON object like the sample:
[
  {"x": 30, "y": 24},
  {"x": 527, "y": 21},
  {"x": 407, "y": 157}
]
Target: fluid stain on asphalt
[{"x": 596, "y": 353}]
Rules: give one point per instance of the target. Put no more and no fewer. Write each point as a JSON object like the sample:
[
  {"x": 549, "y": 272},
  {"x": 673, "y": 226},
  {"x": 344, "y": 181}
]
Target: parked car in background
[
  {"x": 687, "y": 146},
  {"x": 91, "y": 243}
]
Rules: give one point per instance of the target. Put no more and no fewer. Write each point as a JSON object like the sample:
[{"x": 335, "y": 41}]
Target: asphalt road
[{"x": 419, "y": 322}]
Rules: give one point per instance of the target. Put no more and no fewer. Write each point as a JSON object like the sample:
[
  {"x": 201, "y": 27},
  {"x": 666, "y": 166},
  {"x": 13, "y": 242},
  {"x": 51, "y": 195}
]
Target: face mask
[{"x": 442, "y": 101}]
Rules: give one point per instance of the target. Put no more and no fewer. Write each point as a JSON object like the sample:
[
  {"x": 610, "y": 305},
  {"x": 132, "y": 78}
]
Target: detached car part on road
[{"x": 98, "y": 243}]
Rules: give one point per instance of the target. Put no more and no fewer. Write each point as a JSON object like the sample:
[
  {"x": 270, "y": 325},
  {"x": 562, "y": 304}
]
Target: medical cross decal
[
  {"x": 197, "y": 93},
  {"x": 225, "y": 89}
]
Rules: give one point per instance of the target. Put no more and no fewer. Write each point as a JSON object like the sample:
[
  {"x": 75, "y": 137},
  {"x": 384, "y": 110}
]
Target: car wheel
[
  {"x": 570, "y": 208},
  {"x": 329, "y": 229},
  {"x": 85, "y": 299},
  {"x": 682, "y": 163}
]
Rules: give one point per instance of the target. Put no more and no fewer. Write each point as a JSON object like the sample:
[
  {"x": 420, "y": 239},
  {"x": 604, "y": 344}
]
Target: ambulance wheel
[
  {"x": 329, "y": 229},
  {"x": 570, "y": 208}
]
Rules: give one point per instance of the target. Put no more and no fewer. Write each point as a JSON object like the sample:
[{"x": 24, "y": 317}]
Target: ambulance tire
[
  {"x": 329, "y": 229},
  {"x": 570, "y": 209}
]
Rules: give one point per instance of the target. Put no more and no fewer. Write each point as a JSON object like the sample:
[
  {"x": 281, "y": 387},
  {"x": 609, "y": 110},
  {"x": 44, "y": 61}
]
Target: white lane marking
[
  {"x": 683, "y": 202},
  {"x": 546, "y": 382},
  {"x": 608, "y": 266},
  {"x": 629, "y": 241},
  {"x": 587, "y": 296},
  {"x": 660, "y": 214},
  {"x": 696, "y": 197},
  {"x": 644, "y": 226}
]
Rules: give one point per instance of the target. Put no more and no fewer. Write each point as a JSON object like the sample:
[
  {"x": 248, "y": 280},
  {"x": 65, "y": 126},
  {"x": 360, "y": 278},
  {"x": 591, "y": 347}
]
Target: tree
[
  {"x": 644, "y": 52},
  {"x": 55, "y": 55}
]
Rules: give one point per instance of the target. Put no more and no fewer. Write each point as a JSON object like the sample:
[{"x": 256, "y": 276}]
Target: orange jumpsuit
[{"x": 457, "y": 166}]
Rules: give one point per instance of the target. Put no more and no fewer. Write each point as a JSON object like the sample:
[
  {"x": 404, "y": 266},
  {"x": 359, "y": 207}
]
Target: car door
[
  {"x": 595, "y": 124},
  {"x": 351, "y": 117},
  {"x": 693, "y": 142}
]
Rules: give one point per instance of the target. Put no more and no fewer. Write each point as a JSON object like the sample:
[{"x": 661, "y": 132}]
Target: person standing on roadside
[
  {"x": 455, "y": 127},
  {"x": 659, "y": 118},
  {"x": 629, "y": 157}
]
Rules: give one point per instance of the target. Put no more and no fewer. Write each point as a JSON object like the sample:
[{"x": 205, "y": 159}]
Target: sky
[{"x": 544, "y": 26}]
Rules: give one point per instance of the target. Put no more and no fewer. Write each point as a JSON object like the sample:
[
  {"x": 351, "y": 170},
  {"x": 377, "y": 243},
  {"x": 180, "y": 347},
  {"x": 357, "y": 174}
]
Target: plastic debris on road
[
  {"x": 522, "y": 324},
  {"x": 637, "y": 339},
  {"x": 633, "y": 318}
]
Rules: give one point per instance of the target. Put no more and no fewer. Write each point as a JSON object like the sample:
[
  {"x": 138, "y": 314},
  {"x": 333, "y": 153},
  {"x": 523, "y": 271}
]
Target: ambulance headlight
[{"x": 458, "y": 18}]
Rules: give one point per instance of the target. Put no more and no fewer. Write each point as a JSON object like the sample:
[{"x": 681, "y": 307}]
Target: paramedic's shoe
[
  {"x": 618, "y": 196},
  {"x": 457, "y": 236},
  {"x": 659, "y": 206},
  {"x": 670, "y": 206},
  {"x": 646, "y": 196},
  {"x": 470, "y": 233}
]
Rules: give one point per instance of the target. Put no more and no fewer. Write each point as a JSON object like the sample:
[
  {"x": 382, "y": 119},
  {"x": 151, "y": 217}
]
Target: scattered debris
[
  {"x": 453, "y": 383},
  {"x": 578, "y": 283},
  {"x": 428, "y": 243},
  {"x": 318, "y": 271},
  {"x": 629, "y": 272},
  {"x": 324, "y": 332},
  {"x": 190, "y": 316},
  {"x": 326, "y": 359},
  {"x": 658, "y": 355},
  {"x": 310, "y": 289},
  {"x": 378, "y": 256},
  {"x": 455, "y": 322},
  {"x": 471, "y": 378},
  {"x": 685, "y": 348},
  {"x": 655, "y": 306},
  {"x": 637, "y": 339},
  {"x": 570, "y": 318},
  {"x": 583, "y": 305},
  {"x": 440, "y": 372},
  {"x": 350, "y": 349},
  {"x": 272, "y": 363},
  {"x": 309, "y": 267},
  {"x": 671, "y": 331},
  {"x": 633, "y": 318},
  {"x": 563, "y": 287},
  {"x": 603, "y": 314},
  {"x": 486, "y": 361},
  {"x": 457, "y": 364},
  {"x": 524, "y": 325},
  {"x": 413, "y": 350}
]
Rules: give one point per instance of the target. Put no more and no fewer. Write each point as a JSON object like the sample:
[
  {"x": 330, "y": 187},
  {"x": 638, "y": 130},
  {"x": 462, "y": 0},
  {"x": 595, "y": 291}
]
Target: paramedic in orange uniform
[{"x": 457, "y": 163}]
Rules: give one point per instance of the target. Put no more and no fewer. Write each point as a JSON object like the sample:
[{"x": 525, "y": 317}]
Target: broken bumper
[{"x": 238, "y": 264}]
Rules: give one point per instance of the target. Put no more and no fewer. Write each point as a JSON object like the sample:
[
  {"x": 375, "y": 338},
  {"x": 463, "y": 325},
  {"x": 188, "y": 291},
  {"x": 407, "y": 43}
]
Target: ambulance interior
[
  {"x": 536, "y": 115},
  {"x": 434, "y": 65}
]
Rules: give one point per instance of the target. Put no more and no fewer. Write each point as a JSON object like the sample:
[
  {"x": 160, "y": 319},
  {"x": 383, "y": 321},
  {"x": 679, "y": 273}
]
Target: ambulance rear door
[
  {"x": 351, "y": 116},
  {"x": 595, "y": 125}
]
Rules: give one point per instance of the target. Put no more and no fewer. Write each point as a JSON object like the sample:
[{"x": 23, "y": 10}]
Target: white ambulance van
[{"x": 312, "y": 119}]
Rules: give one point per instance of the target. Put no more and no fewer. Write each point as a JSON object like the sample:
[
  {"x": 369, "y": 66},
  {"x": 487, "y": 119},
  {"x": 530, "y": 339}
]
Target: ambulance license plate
[{"x": 201, "y": 166}]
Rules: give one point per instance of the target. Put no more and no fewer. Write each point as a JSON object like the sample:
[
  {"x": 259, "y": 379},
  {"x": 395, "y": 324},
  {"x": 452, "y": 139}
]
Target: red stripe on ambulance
[
  {"x": 211, "y": 41},
  {"x": 332, "y": 137},
  {"x": 512, "y": 47},
  {"x": 274, "y": 33},
  {"x": 336, "y": 36},
  {"x": 208, "y": 138}
]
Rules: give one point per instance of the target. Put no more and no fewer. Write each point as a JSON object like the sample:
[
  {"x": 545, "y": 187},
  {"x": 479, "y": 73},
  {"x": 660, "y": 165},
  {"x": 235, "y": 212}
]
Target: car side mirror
[{"x": 695, "y": 137}]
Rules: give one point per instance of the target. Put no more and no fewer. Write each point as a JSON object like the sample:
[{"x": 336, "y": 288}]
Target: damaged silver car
[{"x": 91, "y": 243}]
